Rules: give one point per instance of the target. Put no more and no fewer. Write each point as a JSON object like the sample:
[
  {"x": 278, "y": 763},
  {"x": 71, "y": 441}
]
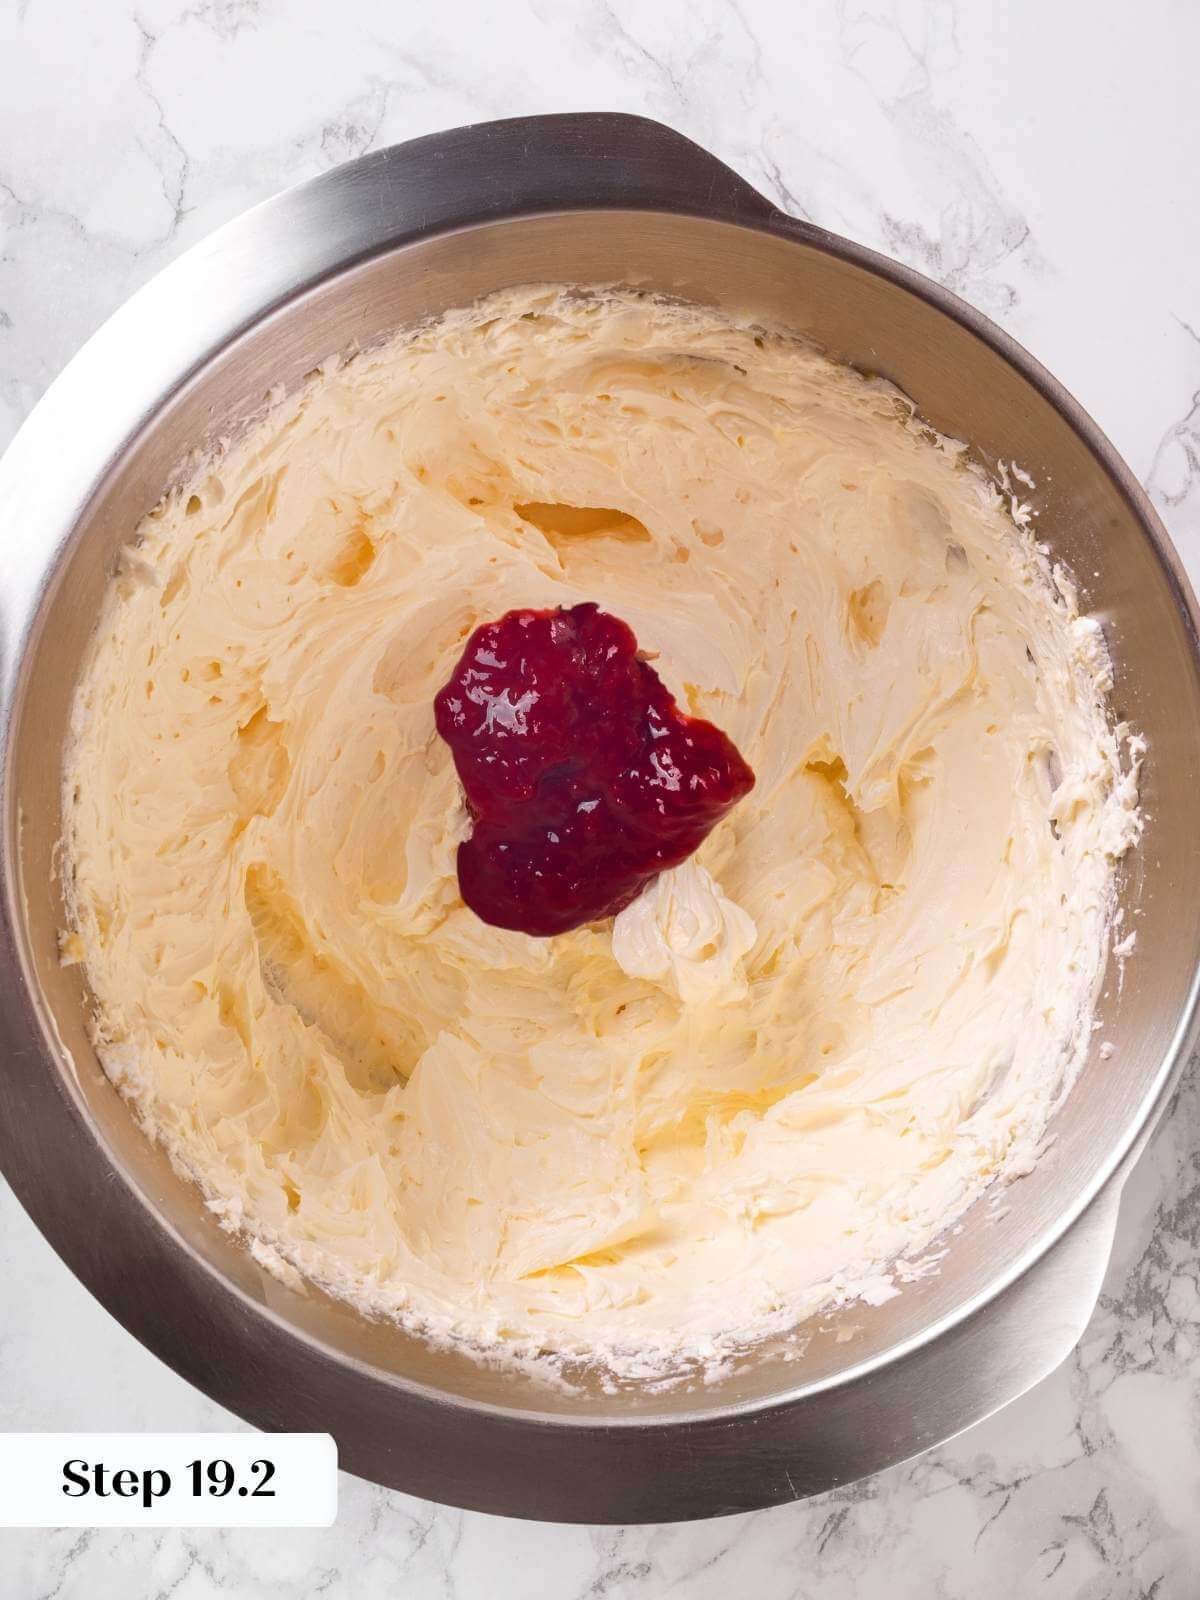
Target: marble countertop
[{"x": 1042, "y": 170}]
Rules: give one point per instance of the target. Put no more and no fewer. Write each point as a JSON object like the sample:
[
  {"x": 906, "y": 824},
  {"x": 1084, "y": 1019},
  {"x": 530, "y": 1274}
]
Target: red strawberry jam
[{"x": 582, "y": 776}]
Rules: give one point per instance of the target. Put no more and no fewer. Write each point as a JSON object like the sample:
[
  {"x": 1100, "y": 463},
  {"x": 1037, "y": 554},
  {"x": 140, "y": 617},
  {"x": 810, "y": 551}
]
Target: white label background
[{"x": 304, "y": 1480}]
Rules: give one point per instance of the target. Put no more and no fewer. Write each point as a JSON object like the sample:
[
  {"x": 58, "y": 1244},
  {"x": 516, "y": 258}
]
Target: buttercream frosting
[{"x": 796, "y": 1058}]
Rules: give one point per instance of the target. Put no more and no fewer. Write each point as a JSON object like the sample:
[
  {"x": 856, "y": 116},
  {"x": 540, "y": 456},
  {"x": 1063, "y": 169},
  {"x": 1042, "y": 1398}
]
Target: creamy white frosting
[
  {"x": 795, "y": 1059},
  {"x": 685, "y": 932}
]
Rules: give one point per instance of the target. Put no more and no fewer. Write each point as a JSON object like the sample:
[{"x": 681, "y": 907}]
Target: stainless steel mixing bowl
[{"x": 344, "y": 259}]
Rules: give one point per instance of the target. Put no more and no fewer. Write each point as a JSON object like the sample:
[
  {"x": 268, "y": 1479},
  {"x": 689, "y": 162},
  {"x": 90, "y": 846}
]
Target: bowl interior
[{"x": 963, "y": 386}]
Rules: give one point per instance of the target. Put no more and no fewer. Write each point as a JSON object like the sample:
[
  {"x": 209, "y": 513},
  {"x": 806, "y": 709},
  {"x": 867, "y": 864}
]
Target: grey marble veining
[{"x": 1038, "y": 159}]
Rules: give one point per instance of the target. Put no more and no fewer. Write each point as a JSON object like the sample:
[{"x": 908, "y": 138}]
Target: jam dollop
[{"x": 583, "y": 778}]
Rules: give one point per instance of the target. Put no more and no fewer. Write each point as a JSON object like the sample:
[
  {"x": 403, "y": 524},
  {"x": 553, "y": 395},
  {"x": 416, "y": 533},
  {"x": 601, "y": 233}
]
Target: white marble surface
[{"x": 1040, "y": 159}]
